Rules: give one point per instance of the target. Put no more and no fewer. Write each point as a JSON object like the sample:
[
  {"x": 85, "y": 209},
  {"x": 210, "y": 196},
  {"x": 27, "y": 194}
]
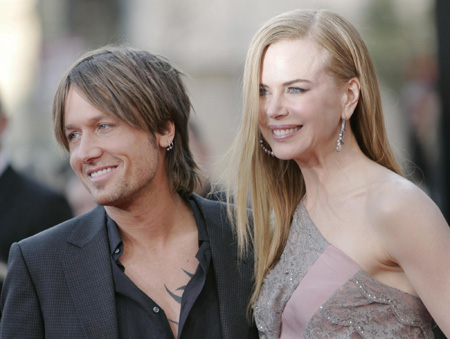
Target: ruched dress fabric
[{"x": 317, "y": 291}]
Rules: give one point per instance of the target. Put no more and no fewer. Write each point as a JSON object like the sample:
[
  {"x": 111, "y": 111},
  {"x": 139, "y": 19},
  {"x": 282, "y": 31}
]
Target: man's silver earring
[
  {"x": 340, "y": 140},
  {"x": 265, "y": 149},
  {"x": 170, "y": 147}
]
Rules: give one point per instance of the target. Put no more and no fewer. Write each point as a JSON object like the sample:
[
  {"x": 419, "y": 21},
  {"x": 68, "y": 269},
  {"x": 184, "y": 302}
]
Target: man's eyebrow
[{"x": 95, "y": 119}]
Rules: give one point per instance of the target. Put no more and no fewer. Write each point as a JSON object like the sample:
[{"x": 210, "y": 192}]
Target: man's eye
[{"x": 72, "y": 136}]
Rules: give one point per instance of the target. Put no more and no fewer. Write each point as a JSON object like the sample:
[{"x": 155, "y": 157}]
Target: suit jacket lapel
[{"x": 87, "y": 266}]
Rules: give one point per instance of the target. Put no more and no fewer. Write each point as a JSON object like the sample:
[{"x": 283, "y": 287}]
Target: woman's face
[{"x": 300, "y": 104}]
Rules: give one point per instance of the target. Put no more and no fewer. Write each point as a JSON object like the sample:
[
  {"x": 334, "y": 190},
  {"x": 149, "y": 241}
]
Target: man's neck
[{"x": 153, "y": 222}]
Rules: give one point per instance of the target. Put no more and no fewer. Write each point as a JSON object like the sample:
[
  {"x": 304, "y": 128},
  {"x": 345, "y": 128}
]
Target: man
[
  {"x": 26, "y": 207},
  {"x": 153, "y": 261}
]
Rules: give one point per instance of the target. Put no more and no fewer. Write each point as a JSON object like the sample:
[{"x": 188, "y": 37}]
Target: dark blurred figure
[
  {"x": 421, "y": 104},
  {"x": 421, "y": 101},
  {"x": 26, "y": 207}
]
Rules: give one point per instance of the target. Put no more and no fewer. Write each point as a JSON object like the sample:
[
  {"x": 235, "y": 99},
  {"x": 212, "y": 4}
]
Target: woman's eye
[
  {"x": 262, "y": 91},
  {"x": 103, "y": 126},
  {"x": 294, "y": 90}
]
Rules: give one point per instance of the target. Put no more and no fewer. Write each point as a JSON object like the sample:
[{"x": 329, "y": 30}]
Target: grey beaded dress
[{"x": 317, "y": 291}]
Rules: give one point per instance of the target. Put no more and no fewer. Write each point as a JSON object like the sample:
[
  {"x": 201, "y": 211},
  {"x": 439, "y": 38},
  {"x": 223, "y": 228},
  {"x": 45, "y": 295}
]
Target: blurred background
[{"x": 208, "y": 40}]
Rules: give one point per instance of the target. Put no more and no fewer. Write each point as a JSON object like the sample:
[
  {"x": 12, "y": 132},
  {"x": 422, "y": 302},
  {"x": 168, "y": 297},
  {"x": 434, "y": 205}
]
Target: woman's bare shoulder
[{"x": 398, "y": 205}]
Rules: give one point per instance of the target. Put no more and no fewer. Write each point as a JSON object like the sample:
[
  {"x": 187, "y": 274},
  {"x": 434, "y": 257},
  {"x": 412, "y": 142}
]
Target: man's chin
[
  {"x": 113, "y": 202},
  {"x": 105, "y": 200}
]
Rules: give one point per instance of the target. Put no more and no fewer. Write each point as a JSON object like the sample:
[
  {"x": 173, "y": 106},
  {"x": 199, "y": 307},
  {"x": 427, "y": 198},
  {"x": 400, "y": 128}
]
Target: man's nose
[{"x": 88, "y": 149}]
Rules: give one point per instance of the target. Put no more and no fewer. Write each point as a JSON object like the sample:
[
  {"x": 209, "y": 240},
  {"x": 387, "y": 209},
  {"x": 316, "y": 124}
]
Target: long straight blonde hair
[{"x": 273, "y": 188}]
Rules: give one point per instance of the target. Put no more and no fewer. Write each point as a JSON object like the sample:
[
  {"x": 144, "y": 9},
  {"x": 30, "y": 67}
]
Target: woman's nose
[{"x": 276, "y": 107}]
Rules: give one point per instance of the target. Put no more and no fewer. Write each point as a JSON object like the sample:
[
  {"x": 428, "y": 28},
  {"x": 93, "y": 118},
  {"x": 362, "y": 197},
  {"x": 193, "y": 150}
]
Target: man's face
[{"x": 118, "y": 164}]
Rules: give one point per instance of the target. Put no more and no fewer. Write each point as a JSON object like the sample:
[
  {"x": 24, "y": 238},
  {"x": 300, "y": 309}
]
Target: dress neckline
[{"x": 302, "y": 208}]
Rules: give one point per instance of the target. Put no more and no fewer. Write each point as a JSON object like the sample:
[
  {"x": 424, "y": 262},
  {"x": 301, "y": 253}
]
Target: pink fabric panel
[{"x": 330, "y": 271}]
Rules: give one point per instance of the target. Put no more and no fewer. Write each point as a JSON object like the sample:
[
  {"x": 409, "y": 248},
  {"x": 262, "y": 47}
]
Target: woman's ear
[
  {"x": 165, "y": 138},
  {"x": 352, "y": 91}
]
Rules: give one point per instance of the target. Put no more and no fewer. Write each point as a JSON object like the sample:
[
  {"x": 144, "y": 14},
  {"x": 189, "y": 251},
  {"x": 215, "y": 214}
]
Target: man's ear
[
  {"x": 351, "y": 99},
  {"x": 166, "y": 137}
]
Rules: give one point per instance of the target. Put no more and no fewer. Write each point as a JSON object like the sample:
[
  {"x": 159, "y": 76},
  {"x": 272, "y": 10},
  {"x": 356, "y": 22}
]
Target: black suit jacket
[
  {"x": 27, "y": 208},
  {"x": 60, "y": 285}
]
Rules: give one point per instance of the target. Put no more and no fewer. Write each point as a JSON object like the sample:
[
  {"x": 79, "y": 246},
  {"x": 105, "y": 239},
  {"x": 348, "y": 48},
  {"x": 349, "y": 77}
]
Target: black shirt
[{"x": 140, "y": 317}]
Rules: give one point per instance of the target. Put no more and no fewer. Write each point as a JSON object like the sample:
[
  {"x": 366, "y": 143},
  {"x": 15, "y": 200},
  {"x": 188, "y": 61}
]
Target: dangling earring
[
  {"x": 265, "y": 149},
  {"x": 170, "y": 147},
  {"x": 340, "y": 140}
]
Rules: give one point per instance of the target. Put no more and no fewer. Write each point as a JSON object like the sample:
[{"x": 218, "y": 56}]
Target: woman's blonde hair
[{"x": 275, "y": 187}]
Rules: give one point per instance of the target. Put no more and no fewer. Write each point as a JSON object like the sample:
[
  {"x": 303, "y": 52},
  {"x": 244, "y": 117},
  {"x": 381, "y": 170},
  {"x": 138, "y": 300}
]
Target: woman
[{"x": 344, "y": 245}]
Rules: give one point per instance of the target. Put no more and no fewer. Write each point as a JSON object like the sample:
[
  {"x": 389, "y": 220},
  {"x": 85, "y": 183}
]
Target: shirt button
[
  {"x": 117, "y": 251},
  {"x": 156, "y": 309}
]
